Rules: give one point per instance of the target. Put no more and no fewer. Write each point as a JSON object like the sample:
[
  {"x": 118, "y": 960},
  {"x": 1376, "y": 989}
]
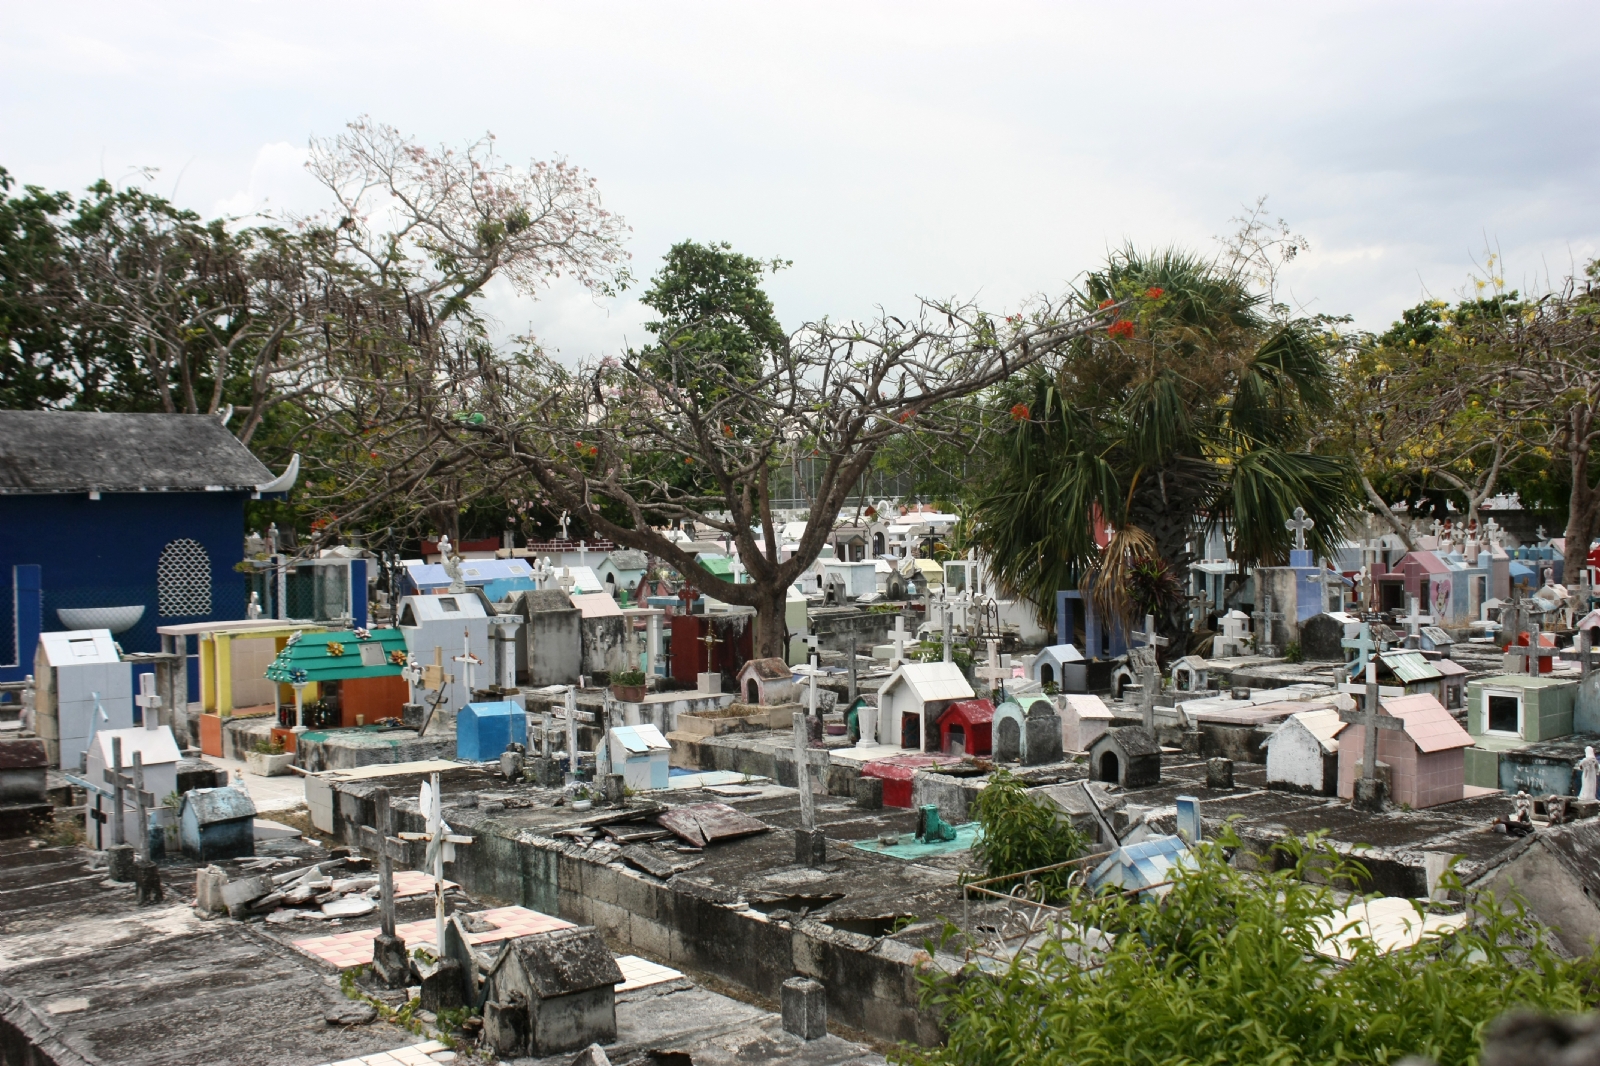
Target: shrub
[
  {"x": 272, "y": 746},
  {"x": 1022, "y": 832},
  {"x": 628, "y": 678},
  {"x": 1226, "y": 969},
  {"x": 1292, "y": 652}
]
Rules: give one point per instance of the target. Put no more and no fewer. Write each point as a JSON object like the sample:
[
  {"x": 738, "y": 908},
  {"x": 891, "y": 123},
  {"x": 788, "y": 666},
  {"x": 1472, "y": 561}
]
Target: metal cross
[
  {"x": 1371, "y": 717},
  {"x": 1299, "y": 525},
  {"x": 710, "y": 640}
]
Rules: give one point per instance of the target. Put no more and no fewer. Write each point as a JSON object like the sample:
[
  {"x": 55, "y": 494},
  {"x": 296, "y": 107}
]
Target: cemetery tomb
[
  {"x": 1128, "y": 756},
  {"x": 440, "y": 628},
  {"x": 768, "y": 681},
  {"x": 909, "y": 702},
  {"x": 1322, "y": 636},
  {"x": 1084, "y": 718},
  {"x": 217, "y": 823},
  {"x": 1409, "y": 670},
  {"x": 1425, "y": 758},
  {"x": 1453, "y": 678},
  {"x": 567, "y": 979},
  {"x": 158, "y": 754},
  {"x": 78, "y": 675},
  {"x": 1190, "y": 673},
  {"x": 1303, "y": 753},
  {"x": 1151, "y": 863},
  {"x": 1235, "y": 639},
  {"x": 1510, "y": 712},
  {"x": 352, "y": 679},
  {"x": 606, "y": 631},
  {"x": 550, "y": 641},
  {"x": 965, "y": 727},
  {"x": 640, "y": 754},
  {"x": 485, "y": 730},
  {"x": 1061, "y": 665},
  {"x": 896, "y": 773}
]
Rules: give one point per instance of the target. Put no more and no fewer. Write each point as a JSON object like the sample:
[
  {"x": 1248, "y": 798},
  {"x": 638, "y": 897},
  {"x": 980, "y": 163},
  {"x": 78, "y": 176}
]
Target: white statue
[
  {"x": 253, "y": 611},
  {"x": 1590, "y": 768}
]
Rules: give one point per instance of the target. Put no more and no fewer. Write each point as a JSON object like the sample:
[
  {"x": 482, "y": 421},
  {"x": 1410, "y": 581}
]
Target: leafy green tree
[
  {"x": 1022, "y": 832},
  {"x": 36, "y": 286},
  {"x": 1230, "y": 966},
  {"x": 1194, "y": 407}
]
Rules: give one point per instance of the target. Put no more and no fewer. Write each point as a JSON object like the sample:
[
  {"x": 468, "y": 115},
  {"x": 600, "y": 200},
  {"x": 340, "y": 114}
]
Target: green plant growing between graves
[
  {"x": 1226, "y": 968},
  {"x": 1293, "y": 652},
  {"x": 628, "y": 678},
  {"x": 268, "y": 747},
  {"x": 1022, "y": 832}
]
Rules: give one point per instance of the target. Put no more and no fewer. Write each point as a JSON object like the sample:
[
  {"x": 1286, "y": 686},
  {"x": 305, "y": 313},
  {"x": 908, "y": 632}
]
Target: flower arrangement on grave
[
  {"x": 362, "y": 633},
  {"x": 335, "y": 648},
  {"x": 398, "y": 657}
]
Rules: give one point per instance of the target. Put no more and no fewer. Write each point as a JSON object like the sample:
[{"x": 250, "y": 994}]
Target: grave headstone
[{"x": 805, "y": 1008}]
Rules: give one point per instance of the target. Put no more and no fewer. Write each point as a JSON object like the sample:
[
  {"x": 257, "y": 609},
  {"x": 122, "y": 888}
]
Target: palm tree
[{"x": 1193, "y": 409}]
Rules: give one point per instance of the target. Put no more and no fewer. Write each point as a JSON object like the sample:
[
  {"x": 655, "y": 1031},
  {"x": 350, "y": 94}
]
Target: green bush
[
  {"x": 1225, "y": 969},
  {"x": 1022, "y": 832},
  {"x": 628, "y": 678},
  {"x": 1292, "y": 652},
  {"x": 272, "y": 746}
]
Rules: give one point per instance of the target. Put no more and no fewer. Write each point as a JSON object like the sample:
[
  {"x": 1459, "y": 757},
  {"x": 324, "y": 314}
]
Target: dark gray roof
[
  {"x": 1134, "y": 740},
  {"x": 75, "y": 451},
  {"x": 212, "y": 805},
  {"x": 564, "y": 961},
  {"x": 537, "y": 601},
  {"x": 627, "y": 559}
]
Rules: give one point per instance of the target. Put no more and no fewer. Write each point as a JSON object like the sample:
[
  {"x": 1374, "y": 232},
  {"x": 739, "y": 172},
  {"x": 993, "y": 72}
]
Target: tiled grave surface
[
  {"x": 412, "y": 1055},
  {"x": 642, "y": 973},
  {"x": 354, "y": 948},
  {"x": 415, "y": 883}
]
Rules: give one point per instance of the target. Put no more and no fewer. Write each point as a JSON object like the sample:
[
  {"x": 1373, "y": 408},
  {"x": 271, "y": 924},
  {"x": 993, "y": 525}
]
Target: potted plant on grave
[
  {"x": 628, "y": 685},
  {"x": 268, "y": 758}
]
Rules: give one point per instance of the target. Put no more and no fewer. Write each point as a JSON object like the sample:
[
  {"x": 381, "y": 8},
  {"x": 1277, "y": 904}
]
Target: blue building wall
[{"x": 104, "y": 553}]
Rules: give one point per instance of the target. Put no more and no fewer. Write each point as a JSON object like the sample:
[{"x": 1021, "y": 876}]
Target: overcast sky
[{"x": 889, "y": 150}]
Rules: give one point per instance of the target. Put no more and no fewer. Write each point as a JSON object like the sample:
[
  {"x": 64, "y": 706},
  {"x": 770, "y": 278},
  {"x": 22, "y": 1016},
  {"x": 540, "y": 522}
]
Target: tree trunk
[
  {"x": 772, "y": 630},
  {"x": 1580, "y": 521}
]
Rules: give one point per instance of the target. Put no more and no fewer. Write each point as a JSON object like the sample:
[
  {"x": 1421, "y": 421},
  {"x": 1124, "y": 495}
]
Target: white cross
[
  {"x": 563, "y": 522},
  {"x": 1299, "y": 525},
  {"x": 1414, "y": 620},
  {"x": 467, "y": 661},
  {"x": 148, "y": 700},
  {"x": 1148, "y": 636},
  {"x": 993, "y": 672},
  {"x": 899, "y": 639},
  {"x": 442, "y": 841}
]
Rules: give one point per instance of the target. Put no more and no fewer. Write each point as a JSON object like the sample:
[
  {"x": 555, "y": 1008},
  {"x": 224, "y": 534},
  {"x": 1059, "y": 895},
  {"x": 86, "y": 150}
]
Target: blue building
[{"x": 137, "y": 511}]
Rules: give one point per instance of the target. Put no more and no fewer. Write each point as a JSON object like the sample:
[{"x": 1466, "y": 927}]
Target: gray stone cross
[
  {"x": 1371, "y": 718},
  {"x": 1299, "y": 525}
]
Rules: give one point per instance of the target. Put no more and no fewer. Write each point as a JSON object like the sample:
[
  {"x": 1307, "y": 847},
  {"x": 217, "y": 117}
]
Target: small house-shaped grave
[
  {"x": 72, "y": 671},
  {"x": 1027, "y": 730},
  {"x": 1433, "y": 638},
  {"x": 1152, "y": 863},
  {"x": 1084, "y": 717},
  {"x": 1235, "y": 639},
  {"x": 1453, "y": 679},
  {"x": 158, "y": 757},
  {"x": 1061, "y": 665},
  {"x": 1303, "y": 753},
  {"x": 965, "y": 728},
  {"x": 621, "y": 571},
  {"x": 217, "y": 823},
  {"x": 567, "y": 979},
  {"x": 550, "y": 648},
  {"x": 1411, "y": 671},
  {"x": 439, "y": 628},
  {"x": 1426, "y": 761},
  {"x": 1508, "y": 713},
  {"x": 1190, "y": 674},
  {"x": 1322, "y": 636},
  {"x": 910, "y": 701},
  {"x": 640, "y": 753},
  {"x": 353, "y": 678},
  {"x": 1128, "y": 756},
  {"x": 485, "y": 730},
  {"x": 768, "y": 681}
]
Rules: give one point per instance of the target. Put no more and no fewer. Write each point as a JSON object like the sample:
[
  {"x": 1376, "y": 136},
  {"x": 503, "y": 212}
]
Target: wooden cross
[
  {"x": 1363, "y": 645},
  {"x": 1299, "y": 525},
  {"x": 1414, "y": 622},
  {"x": 98, "y": 813},
  {"x": 390, "y": 849},
  {"x": 131, "y": 782},
  {"x": 442, "y": 843},
  {"x": 1371, "y": 717}
]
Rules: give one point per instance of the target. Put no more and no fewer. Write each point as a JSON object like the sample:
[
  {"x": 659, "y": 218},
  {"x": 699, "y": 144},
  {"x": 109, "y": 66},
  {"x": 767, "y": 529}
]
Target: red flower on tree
[
  {"x": 905, "y": 416},
  {"x": 1107, "y": 302},
  {"x": 1019, "y": 412},
  {"x": 1155, "y": 292},
  {"x": 1121, "y": 328}
]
